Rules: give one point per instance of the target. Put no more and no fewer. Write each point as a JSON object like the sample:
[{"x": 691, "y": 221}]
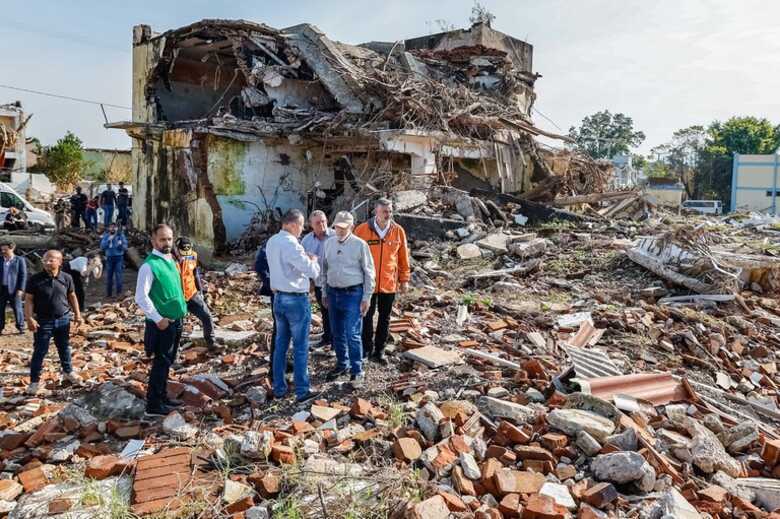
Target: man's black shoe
[
  {"x": 170, "y": 402},
  {"x": 335, "y": 373},
  {"x": 311, "y": 395},
  {"x": 158, "y": 410},
  {"x": 379, "y": 358}
]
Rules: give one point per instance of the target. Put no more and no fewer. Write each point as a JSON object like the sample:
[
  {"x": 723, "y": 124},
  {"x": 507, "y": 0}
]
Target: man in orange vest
[
  {"x": 387, "y": 241},
  {"x": 187, "y": 261}
]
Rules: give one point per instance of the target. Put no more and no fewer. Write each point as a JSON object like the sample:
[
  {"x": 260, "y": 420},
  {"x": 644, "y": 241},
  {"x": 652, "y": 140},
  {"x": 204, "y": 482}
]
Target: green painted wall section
[{"x": 225, "y": 164}]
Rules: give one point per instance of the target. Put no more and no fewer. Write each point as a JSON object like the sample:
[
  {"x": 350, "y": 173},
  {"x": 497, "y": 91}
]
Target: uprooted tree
[{"x": 604, "y": 135}]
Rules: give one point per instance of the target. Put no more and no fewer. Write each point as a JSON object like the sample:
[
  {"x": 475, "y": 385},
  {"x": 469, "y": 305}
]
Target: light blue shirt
[
  {"x": 289, "y": 266},
  {"x": 316, "y": 246}
]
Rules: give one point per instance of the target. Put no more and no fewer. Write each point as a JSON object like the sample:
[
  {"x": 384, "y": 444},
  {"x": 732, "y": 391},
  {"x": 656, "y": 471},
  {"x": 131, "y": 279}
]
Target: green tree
[
  {"x": 604, "y": 135},
  {"x": 64, "y": 162},
  {"x": 744, "y": 135}
]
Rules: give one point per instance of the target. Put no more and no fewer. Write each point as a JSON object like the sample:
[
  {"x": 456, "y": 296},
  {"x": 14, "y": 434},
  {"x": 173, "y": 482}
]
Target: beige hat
[{"x": 343, "y": 219}]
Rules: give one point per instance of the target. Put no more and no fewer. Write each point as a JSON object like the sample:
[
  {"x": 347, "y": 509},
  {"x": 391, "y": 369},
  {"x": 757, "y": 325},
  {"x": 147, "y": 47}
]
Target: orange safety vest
[
  {"x": 391, "y": 255},
  {"x": 187, "y": 265}
]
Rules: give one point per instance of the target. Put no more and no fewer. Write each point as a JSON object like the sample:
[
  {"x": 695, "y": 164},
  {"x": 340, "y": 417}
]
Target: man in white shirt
[
  {"x": 159, "y": 294},
  {"x": 291, "y": 270}
]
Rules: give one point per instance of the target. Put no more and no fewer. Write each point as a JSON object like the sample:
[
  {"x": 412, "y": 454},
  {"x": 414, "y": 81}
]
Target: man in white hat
[{"x": 348, "y": 271}]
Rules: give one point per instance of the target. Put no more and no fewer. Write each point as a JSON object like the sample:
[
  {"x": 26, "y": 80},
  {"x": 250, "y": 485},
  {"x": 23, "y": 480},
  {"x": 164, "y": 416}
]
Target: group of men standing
[
  {"x": 84, "y": 208},
  {"x": 355, "y": 274}
]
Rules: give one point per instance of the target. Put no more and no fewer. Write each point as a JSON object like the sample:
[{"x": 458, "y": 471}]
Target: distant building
[
  {"x": 667, "y": 190},
  {"x": 108, "y": 164},
  {"x": 754, "y": 183},
  {"x": 13, "y": 152}
]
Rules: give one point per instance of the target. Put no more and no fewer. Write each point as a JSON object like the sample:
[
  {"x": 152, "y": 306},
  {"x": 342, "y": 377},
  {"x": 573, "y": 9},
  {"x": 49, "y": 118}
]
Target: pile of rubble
[{"x": 537, "y": 371}]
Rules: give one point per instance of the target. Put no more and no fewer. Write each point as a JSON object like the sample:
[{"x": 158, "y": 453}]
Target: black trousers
[
  {"x": 162, "y": 345},
  {"x": 375, "y": 343},
  {"x": 326, "y": 337},
  {"x": 197, "y": 306}
]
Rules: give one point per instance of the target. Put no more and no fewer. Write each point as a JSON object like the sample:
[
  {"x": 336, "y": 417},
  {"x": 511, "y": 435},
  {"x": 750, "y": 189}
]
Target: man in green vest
[{"x": 158, "y": 292}]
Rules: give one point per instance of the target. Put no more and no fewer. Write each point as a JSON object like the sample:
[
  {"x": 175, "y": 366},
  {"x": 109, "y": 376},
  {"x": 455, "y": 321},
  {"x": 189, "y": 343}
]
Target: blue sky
[{"x": 668, "y": 64}]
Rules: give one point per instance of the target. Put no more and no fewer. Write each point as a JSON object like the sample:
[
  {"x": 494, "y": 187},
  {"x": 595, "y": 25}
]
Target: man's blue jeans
[
  {"x": 346, "y": 325},
  {"x": 115, "y": 265},
  {"x": 16, "y": 305},
  {"x": 108, "y": 214},
  {"x": 293, "y": 316},
  {"x": 58, "y": 329},
  {"x": 91, "y": 219}
]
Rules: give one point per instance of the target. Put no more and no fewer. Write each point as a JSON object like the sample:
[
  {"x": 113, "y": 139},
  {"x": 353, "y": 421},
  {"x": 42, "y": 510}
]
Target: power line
[
  {"x": 547, "y": 118},
  {"x": 58, "y": 96}
]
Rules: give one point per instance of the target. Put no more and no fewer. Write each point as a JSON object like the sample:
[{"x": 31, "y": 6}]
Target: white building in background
[
  {"x": 13, "y": 156},
  {"x": 626, "y": 176},
  {"x": 754, "y": 183}
]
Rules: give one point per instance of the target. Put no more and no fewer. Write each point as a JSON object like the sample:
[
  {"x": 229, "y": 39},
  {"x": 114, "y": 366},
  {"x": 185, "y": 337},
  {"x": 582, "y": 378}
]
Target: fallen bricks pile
[{"x": 581, "y": 387}]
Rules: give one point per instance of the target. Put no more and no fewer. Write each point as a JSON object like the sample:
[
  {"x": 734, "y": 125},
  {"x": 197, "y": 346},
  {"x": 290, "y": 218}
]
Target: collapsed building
[{"x": 235, "y": 121}]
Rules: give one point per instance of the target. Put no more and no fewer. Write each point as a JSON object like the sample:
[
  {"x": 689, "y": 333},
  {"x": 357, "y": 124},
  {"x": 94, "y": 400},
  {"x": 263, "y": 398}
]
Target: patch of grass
[
  {"x": 290, "y": 509},
  {"x": 395, "y": 410}
]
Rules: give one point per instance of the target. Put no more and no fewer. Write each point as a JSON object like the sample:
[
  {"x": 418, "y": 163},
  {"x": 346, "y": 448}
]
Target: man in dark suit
[{"x": 13, "y": 278}]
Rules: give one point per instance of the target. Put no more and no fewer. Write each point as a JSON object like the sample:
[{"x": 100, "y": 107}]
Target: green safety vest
[{"x": 166, "y": 293}]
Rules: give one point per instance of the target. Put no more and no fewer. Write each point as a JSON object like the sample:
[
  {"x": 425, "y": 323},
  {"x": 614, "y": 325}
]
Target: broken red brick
[
  {"x": 462, "y": 483},
  {"x": 600, "y": 495},
  {"x": 544, "y": 507},
  {"x": 531, "y": 452},
  {"x": 407, "y": 449},
  {"x": 33, "y": 480},
  {"x": 713, "y": 493},
  {"x": 458, "y": 444},
  {"x": 361, "y": 408},
  {"x": 510, "y": 506},
  {"x": 49, "y": 426},
  {"x": 553, "y": 441},
  {"x": 453, "y": 502},
  {"x": 13, "y": 440},
  {"x": 770, "y": 452},
  {"x": 241, "y": 505},
  {"x": 515, "y": 434},
  {"x": 510, "y": 481},
  {"x": 444, "y": 459},
  {"x": 58, "y": 506},
  {"x": 102, "y": 467},
  {"x": 127, "y": 432},
  {"x": 282, "y": 454}
]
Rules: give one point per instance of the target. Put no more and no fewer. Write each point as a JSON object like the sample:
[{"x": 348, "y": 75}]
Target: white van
[
  {"x": 703, "y": 206},
  {"x": 10, "y": 198}
]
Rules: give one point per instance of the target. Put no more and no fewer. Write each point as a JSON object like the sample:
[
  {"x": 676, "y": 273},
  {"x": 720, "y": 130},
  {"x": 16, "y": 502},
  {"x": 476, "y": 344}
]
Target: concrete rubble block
[
  {"x": 10, "y": 489},
  {"x": 81, "y": 415},
  {"x": 572, "y": 421},
  {"x": 234, "y": 491},
  {"x": 624, "y": 467},
  {"x": 672, "y": 504},
  {"x": 409, "y": 199},
  {"x": 324, "y": 413},
  {"x": 707, "y": 453},
  {"x": 739, "y": 437},
  {"x": 110, "y": 401},
  {"x": 512, "y": 411},
  {"x": 257, "y": 512},
  {"x": 496, "y": 242},
  {"x": 528, "y": 249},
  {"x": 470, "y": 467},
  {"x": 625, "y": 441},
  {"x": 432, "y": 508},
  {"x": 468, "y": 251},
  {"x": 428, "y": 418},
  {"x": 593, "y": 404},
  {"x": 434, "y": 357},
  {"x": 587, "y": 443},
  {"x": 227, "y": 337},
  {"x": 560, "y": 493},
  {"x": 765, "y": 490},
  {"x": 175, "y": 425}
]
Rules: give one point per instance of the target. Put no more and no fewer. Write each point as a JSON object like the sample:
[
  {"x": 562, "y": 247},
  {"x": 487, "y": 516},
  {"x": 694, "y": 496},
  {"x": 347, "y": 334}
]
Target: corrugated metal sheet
[
  {"x": 656, "y": 388},
  {"x": 590, "y": 363}
]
